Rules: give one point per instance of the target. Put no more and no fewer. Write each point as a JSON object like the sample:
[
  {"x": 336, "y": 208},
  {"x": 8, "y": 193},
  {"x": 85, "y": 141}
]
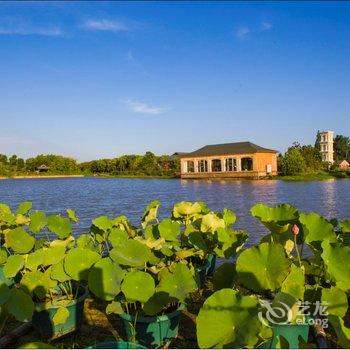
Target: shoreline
[{"x": 37, "y": 176}]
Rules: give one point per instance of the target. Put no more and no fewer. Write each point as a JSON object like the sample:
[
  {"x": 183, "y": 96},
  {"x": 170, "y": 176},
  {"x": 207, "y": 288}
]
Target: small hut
[
  {"x": 344, "y": 164},
  {"x": 42, "y": 169}
]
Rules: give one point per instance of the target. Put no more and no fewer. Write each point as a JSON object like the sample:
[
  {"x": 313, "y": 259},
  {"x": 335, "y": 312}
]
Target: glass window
[
  {"x": 202, "y": 166},
  {"x": 247, "y": 164},
  {"x": 190, "y": 166},
  {"x": 216, "y": 165},
  {"x": 231, "y": 164}
]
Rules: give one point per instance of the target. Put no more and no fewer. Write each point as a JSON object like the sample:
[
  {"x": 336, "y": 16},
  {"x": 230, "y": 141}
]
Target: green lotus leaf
[
  {"x": 186, "y": 209},
  {"x": 117, "y": 236},
  {"x": 58, "y": 273},
  {"x": 13, "y": 265},
  {"x": 24, "y": 207},
  {"x": 85, "y": 241},
  {"x": 345, "y": 226},
  {"x": 228, "y": 320},
  {"x": 231, "y": 242},
  {"x": 132, "y": 253},
  {"x": 21, "y": 219},
  {"x": 78, "y": 262},
  {"x": 169, "y": 230},
  {"x": 197, "y": 240},
  {"x": 224, "y": 276},
  {"x": 5, "y": 293},
  {"x": 150, "y": 213},
  {"x": 53, "y": 255},
  {"x": 263, "y": 267},
  {"x": 36, "y": 345},
  {"x": 211, "y": 222},
  {"x": 38, "y": 220},
  {"x": 178, "y": 281},
  {"x": 20, "y": 305},
  {"x": 316, "y": 228},
  {"x": 103, "y": 223},
  {"x": 114, "y": 307},
  {"x": 335, "y": 300},
  {"x": 156, "y": 303},
  {"x": 337, "y": 261},
  {"x": 229, "y": 217},
  {"x": 4, "y": 209},
  {"x": 3, "y": 255},
  {"x": 72, "y": 215},
  {"x": 61, "y": 316},
  {"x": 63, "y": 242},
  {"x": 19, "y": 240},
  {"x": 35, "y": 282},
  {"x": 294, "y": 284},
  {"x": 105, "y": 278},
  {"x": 59, "y": 225},
  {"x": 343, "y": 333},
  {"x": 35, "y": 259},
  {"x": 138, "y": 286},
  {"x": 276, "y": 219}
]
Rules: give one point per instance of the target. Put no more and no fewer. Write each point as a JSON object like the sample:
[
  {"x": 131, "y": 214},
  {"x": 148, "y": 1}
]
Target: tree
[
  {"x": 318, "y": 140},
  {"x": 312, "y": 158},
  {"x": 341, "y": 148},
  {"x": 293, "y": 162}
]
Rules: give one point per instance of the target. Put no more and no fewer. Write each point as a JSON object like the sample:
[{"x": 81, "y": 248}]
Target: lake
[{"x": 91, "y": 197}]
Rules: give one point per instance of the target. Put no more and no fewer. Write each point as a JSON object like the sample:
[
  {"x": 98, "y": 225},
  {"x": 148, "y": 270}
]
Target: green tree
[
  {"x": 318, "y": 140},
  {"x": 293, "y": 162},
  {"x": 341, "y": 148}
]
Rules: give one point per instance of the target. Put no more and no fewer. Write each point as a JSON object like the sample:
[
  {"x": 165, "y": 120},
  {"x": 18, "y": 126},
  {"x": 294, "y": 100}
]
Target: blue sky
[{"x": 102, "y": 79}]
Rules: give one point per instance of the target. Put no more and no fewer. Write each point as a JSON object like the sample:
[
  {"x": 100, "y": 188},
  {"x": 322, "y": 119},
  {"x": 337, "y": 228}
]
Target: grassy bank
[{"x": 306, "y": 177}]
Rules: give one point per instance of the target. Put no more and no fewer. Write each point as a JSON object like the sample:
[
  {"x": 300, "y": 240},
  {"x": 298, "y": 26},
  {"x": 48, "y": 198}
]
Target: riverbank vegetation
[
  {"x": 289, "y": 290},
  {"x": 148, "y": 165}
]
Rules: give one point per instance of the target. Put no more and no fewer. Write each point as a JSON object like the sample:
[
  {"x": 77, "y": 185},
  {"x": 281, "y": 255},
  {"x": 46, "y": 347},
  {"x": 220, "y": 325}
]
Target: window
[
  {"x": 247, "y": 164},
  {"x": 190, "y": 166},
  {"x": 231, "y": 164},
  {"x": 202, "y": 166},
  {"x": 216, "y": 165}
]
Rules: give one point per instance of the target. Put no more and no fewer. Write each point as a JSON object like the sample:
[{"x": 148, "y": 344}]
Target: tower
[{"x": 326, "y": 146}]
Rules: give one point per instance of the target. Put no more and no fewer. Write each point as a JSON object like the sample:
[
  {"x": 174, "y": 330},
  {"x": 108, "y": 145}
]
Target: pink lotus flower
[{"x": 295, "y": 230}]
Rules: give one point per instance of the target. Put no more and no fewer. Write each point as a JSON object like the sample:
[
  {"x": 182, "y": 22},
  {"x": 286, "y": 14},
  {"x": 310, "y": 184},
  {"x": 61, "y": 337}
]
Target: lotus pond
[{"x": 155, "y": 284}]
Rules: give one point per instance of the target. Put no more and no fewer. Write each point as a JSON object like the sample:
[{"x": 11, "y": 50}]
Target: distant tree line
[
  {"x": 148, "y": 165},
  {"x": 303, "y": 159}
]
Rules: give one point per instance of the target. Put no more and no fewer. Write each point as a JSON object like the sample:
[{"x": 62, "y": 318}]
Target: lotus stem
[{"x": 296, "y": 248}]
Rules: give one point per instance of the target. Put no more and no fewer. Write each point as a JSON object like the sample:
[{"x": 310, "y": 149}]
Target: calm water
[{"x": 91, "y": 197}]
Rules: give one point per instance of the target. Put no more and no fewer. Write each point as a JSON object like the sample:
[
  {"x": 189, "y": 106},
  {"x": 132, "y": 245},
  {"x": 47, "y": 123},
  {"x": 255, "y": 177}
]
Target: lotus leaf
[
  {"x": 103, "y": 223},
  {"x": 132, "y": 253},
  {"x": 228, "y": 320},
  {"x": 276, "y": 219},
  {"x": 53, "y": 255},
  {"x": 13, "y": 265},
  {"x": 197, "y": 240},
  {"x": 178, "y": 281},
  {"x": 316, "y": 228},
  {"x": 169, "y": 230},
  {"x": 211, "y": 222},
  {"x": 35, "y": 259},
  {"x": 343, "y": 333},
  {"x": 117, "y": 236},
  {"x": 229, "y": 217},
  {"x": 224, "y": 276},
  {"x": 62, "y": 242},
  {"x": 36, "y": 345},
  {"x": 263, "y": 267},
  {"x": 105, "y": 278},
  {"x": 114, "y": 307},
  {"x": 38, "y": 220},
  {"x": 61, "y": 316},
  {"x": 20, "y": 305},
  {"x": 337, "y": 261},
  {"x": 78, "y": 262},
  {"x": 294, "y": 284},
  {"x": 58, "y": 273},
  {"x": 4, "y": 209},
  {"x": 35, "y": 282},
  {"x": 150, "y": 213},
  {"x": 5, "y": 293},
  {"x": 186, "y": 209},
  {"x": 156, "y": 303},
  {"x": 345, "y": 226},
  {"x": 72, "y": 215},
  {"x": 336, "y": 301},
  {"x": 138, "y": 286},
  {"x": 59, "y": 225},
  {"x": 24, "y": 207},
  {"x": 19, "y": 240},
  {"x": 21, "y": 219},
  {"x": 3, "y": 255}
]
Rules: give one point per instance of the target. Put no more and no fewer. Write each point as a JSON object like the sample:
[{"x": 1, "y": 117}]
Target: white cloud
[
  {"x": 20, "y": 27},
  {"x": 141, "y": 107},
  {"x": 242, "y": 32},
  {"x": 266, "y": 26},
  {"x": 106, "y": 25}
]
